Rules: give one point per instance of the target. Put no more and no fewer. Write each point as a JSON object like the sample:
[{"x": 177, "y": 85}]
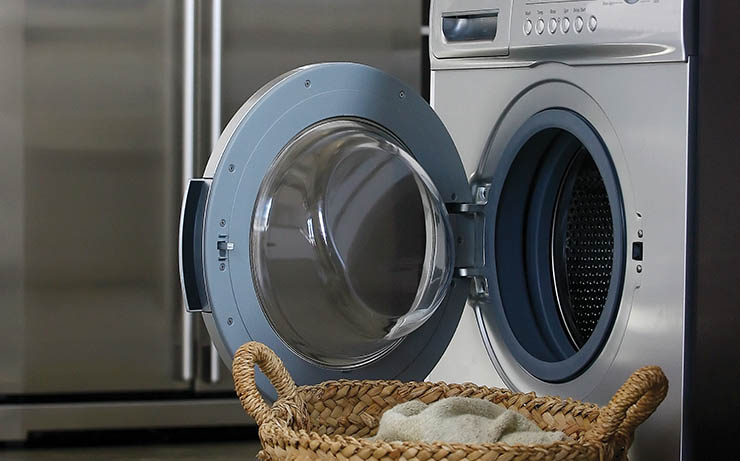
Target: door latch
[{"x": 224, "y": 246}]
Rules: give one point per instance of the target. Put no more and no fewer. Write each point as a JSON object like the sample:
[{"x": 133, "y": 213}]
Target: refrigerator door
[
  {"x": 252, "y": 41},
  {"x": 265, "y": 39},
  {"x": 90, "y": 171}
]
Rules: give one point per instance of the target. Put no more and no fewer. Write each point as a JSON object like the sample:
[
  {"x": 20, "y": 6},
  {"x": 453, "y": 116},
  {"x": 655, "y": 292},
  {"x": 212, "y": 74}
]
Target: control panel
[
  {"x": 555, "y": 18},
  {"x": 571, "y": 31},
  {"x": 560, "y": 23}
]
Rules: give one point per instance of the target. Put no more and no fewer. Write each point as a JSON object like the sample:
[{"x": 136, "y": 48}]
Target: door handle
[{"x": 192, "y": 279}]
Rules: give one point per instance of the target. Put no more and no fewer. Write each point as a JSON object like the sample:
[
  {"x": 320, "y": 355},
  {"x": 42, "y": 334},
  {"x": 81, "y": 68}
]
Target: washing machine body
[
  {"x": 638, "y": 298},
  {"x": 528, "y": 232},
  {"x": 589, "y": 274}
]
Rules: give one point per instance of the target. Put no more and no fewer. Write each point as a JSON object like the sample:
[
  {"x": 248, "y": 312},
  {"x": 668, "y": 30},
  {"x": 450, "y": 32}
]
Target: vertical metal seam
[
  {"x": 216, "y": 41},
  {"x": 188, "y": 132}
]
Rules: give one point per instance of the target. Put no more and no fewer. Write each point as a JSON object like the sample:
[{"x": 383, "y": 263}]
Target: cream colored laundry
[{"x": 461, "y": 420}]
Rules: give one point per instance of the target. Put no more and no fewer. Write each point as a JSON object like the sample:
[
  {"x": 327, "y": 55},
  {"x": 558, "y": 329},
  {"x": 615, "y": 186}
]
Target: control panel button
[
  {"x": 565, "y": 25},
  {"x": 540, "y": 26},
  {"x": 552, "y": 27},
  {"x": 579, "y": 24},
  {"x": 592, "y": 23},
  {"x": 528, "y": 27},
  {"x": 631, "y": 2}
]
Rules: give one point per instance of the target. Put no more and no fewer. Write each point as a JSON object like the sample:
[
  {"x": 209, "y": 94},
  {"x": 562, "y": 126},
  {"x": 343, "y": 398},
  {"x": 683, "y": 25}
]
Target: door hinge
[{"x": 468, "y": 223}]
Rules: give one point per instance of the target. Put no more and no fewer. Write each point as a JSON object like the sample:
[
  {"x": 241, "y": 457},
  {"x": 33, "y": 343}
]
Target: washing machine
[{"x": 527, "y": 230}]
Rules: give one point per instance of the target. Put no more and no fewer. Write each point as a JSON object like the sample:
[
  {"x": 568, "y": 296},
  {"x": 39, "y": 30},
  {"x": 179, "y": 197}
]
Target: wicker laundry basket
[{"x": 329, "y": 420}]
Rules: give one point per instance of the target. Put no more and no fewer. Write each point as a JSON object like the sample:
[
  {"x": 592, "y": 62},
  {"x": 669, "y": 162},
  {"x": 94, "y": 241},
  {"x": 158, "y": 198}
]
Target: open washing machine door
[{"x": 335, "y": 224}]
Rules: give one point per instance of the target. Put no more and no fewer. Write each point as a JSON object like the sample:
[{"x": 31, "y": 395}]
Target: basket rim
[{"x": 466, "y": 386}]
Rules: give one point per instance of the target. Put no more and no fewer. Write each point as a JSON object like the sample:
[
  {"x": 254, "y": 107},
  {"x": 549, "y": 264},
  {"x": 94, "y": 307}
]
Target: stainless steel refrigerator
[{"x": 106, "y": 107}]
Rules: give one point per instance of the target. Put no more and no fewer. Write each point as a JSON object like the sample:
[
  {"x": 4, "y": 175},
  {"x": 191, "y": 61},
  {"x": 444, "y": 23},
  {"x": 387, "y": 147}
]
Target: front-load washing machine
[{"x": 530, "y": 231}]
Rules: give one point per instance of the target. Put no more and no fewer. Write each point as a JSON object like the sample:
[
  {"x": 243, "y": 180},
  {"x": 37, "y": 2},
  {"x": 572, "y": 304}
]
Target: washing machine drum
[
  {"x": 321, "y": 228},
  {"x": 335, "y": 223}
]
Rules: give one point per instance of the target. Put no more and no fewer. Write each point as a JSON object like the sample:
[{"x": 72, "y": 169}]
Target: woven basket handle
[
  {"x": 289, "y": 407},
  {"x": 633, "y": 403}
]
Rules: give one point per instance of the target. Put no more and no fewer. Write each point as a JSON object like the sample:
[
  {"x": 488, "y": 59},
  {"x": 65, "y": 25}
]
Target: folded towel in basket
[{"x": 461, "y": 420}]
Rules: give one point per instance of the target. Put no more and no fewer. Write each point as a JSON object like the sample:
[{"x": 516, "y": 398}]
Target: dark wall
[{"x": 713, "y": 381}]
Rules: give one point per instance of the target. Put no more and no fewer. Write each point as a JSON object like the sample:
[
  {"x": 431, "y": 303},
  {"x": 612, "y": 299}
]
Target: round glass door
[{"x": 351, "y": 247}]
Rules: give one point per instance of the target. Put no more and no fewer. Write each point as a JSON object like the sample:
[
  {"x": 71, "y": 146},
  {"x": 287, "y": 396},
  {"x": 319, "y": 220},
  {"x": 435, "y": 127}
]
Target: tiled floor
[{"x": 205, "y": 451}]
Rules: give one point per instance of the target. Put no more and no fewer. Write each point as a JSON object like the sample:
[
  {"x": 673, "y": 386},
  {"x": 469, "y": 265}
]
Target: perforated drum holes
[{"x": 588, "y": 248}]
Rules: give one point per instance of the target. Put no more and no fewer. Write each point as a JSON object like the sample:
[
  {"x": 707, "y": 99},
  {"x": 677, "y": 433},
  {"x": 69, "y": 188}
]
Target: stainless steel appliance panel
[
  {"x": 11, "y": 196},
  {"x": 264, "y": 39},
  {"x": 88, "y": 252}
]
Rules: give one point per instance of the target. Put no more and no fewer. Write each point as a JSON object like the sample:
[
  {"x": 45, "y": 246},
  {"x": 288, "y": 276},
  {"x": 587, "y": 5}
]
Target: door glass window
[{"x": 350, "y": 244}]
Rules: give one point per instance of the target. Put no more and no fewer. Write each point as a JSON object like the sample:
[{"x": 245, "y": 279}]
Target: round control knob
[
  {"x": 592, "y": 23},
  {"x": 552, "y": 26},
  {"x": 631, "y": 2},
  {"x": 565, "y": 25},
  {"x": 540, "y": 26},
  {"x": 528, "y": 27},
  {"x": 579, "y": 24}
]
